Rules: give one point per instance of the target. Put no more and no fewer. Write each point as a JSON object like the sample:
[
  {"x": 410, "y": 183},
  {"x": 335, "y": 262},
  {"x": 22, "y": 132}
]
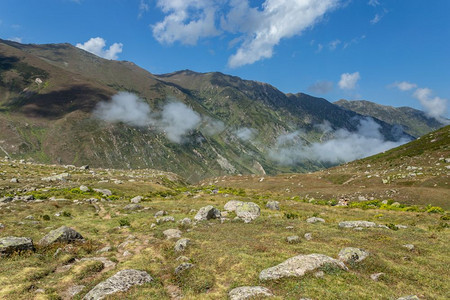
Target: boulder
[
  {"x": 410, "y": 247},
  {"x": 353, "y": 224},
  {"x": 172, "y": 233},
  {"x": 308, "y": 236},
  {"x": 410, "y": 297},
  {"x": 165, "y": 219},
  {"x": 61, "y": 235},
  {"x": 185, "y": 221},
  {"x": 182, "y": 267},
  {"x": 297, "y": 266},
  {"x": 207, "y": 213},
  {"x": 248, "y": 211},
  {"x": 182, "y": 244},
  {"x": 132, "y": 206},
  {"x": 293, "y": 239},
  {"x": 273, "y": 205},
  {"x": 249, "y": 292},
  {"x": 351, "y": 254},
  {"x": 14, "y": 180},
  {"x": 84, "y": 188},
  {"x": 136, "y": 199},
  {"x": 315, "y": 220},
  {"x": 105, "y": 192},
  {"x": 59, "y": 177},
  {"x": 6, "y": 199},
  {"x": 160, "y": 213},
  {"x": 11, "y": 244},
  {"x": 232, "y": 205},
  {"x": 122, "y": 281},
  {"x": 376, "y": 276}
]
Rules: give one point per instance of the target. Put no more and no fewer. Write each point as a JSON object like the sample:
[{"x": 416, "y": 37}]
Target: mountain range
[{"x": 61, "y": 104}]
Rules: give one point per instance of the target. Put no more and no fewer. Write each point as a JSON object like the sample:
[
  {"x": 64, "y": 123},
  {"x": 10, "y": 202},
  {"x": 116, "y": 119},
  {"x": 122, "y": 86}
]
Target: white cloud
[
  {"x": 344, "y": 146},
  {"x": 15, "y": 39},
  {"x": 333, "y": 44},
  {"x": 143, "y": 8},
  {"x": 258, "y": 30},
  {"x": 404, "y": 85},
  {"x": 246, "y": 133},
  {"x": 177, "y": 120},
  {"x": 376, "y": 19},
  {"x": 321, "y": 87},
  {"x": 348, "y": 81},
  {"x": 186, "y": 21},
  {"x": 435, "y": 107},
  {"x": 373, "y": 3},
  {"x": 97, "y": 47}
]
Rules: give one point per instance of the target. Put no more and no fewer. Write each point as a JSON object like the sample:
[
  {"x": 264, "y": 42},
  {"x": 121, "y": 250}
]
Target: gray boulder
[
  {"x": 249, "y": 292},
  {"x": 136, "y": 199},
  {"x": 182, "y": 267},
  {"x": 11, "y": 244},
  {"x": 293, "y": 239},
  {"x": 315, "y": 220},
  {"x": 207, "y": 213},
  {"x": 182, "y": 244},
  {"x": 273, "y": 205},
  {"x": 297, "y": 266},
  {"x": 84, "y": 188},
  {"x": 165, "y": 219},
  {"x": 122, "y": 281},
  {"x": 248, "y": 211},
  {"x": 354, "y": 224},
  {"x": 132, "y": 206},
  {"x": 185, "y": 221},
  {"x": 6, "y": 199},
  {"x": 160, "y": 213},
  {"x": 61, "y": 235},
  {"x": 232, "y": 205},
  {"x": 351, "y": 254},
  {"x": 410, "y": 247},
  {"x": 172, "y": 233},
  {"x": 105, "y": 192}
]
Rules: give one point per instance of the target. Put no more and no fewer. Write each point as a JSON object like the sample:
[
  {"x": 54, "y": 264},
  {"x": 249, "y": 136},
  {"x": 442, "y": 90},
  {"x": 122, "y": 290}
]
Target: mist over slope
[{"x": 61, "y": 104}]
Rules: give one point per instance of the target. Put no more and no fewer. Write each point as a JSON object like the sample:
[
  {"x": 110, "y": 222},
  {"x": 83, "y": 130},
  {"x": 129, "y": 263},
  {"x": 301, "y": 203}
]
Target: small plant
[
  {"x": 46, "y": 217},
  {"x": 392, "y": 226},
  {"x": 435, "y": 209},
  {"x": 66, "y": 214},
  {"x": 124, "y": 222},
  {"x": 445, "y": 217},
  {"x": 291, "y": 216}
]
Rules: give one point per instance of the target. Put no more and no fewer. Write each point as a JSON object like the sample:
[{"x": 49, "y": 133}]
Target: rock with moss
[
  {"x": 299, "y": 265},
  {"x": 207, "y": 213},
  {"x": 232, "y": 205},
  {"x": 248, "y": 211},
  {"x": 122, "y": 281},
  {"x": 313, "y": 220},
  {"x": 183, "y": 267},
  {"x": 172, "y": 233},
  {"x": 351, "y": 254},
  {"x": 136, "y": 199},
  {"x": 273, "y": 205},
  {"x": 11, "y": 244},
  {"x": 354, "y": 224},
  {"x": 63, "y": 234},
  {"x": 182, "y": 244},
  {"x": 132, "y": 206},
  {"x": 249, "y": 292}
]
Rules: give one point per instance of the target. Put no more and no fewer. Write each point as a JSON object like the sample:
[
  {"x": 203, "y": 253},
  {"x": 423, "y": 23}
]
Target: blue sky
[{"x": 393, "y": 52}]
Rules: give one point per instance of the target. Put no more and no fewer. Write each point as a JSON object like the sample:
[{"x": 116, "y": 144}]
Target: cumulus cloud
[
  {"x": 348, "y": 81},
  {"x": 435, "y": 107},
  {"x": 186, "y": 21},
  {"x": 143, "y": 8},
  {"x": 175, "y": 119},
  {"x": 404, "y": 85},
  {"x": 291, "y": 149},
  {"x": 15, "y": 39},
  {"x": 321, "y": 87},
  {"x": 246, "y": 133},
  {"x": 124, "y": 107},
  {"x": 97, "y": 46},
  {"x": 259, "y": 30}
]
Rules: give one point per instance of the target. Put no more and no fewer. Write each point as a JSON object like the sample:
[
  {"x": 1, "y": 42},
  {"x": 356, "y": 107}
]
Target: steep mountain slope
[
  {"x": 49, "y": 93},
  {"x": 413, "y": 121}
]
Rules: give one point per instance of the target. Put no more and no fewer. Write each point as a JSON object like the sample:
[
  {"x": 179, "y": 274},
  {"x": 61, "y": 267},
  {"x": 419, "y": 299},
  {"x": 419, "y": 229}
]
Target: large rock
[
  {"x": 249, "y": 292},
  {"x": 354, "y": 224},
  {"x": 59, "y": 177},
  {"x": 11, "y": 244},
  {"x": 120, "y": 282},
  {"x": 133, "y": 206},
  {"x": 351, "y": 254},
  {"x": 315, "y": 220},
  {"x": 232, "y": 205},
  {"x": 61, "y": 235},
  {"x": 207, "y": 213},
  {"x": 248, "y": 211},
  {"x": 273, "y": 205},
  {"x": 298, "y": 265},
  {"x": 182, "y": 244},
  {"x": 172, "y": 233},
  {"x": 136, "y": 199},
  {"x": 105, "y": 192},
  {"x": 183, "y": 267},
  {"x": 165, "y": 219},
  {"x": 6, "y": 199}
]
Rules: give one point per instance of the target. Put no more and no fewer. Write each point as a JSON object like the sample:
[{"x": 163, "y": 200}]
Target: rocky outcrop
[
  {"x": 11, "y": 244},
  {"x": 61, "y": 235},
  {"x": 249, "y": 292}
]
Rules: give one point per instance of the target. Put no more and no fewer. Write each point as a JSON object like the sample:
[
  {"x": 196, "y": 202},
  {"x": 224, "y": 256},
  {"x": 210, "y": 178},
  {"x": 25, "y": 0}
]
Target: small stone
[
  {"x": 308, "y": 236},
  {"x": 153, "y": 225},
  {"x": 172, "y": 233},
  {"x": 410, "y": 297},
  {"x": 132, "y": 207},
  {"x": 75, "y": 290},
  {"x": 105, "y": 192},
  {"x": 377, "y": 276},
  {"x": 352, "y": 224},
  {"x": 136, "y": 199},
  {"x": 30, "y": 217},
  {"x": 315, "y": 220},
  {"x": 182, "y": 267},
  {"x": 14, "y": 180},
  {"x": 273, "y": 205},
  {"x": 319, "y": 274},
  {"x": 126, "y": 253},
  {"x": 289, "y": 227},
  {"x": 182, "y": 244},
  {"x": 352, "y": 254},
  {"x": 182, "y": 258},
  {"x": 105, "y": 249},
  {"x": 160, "y": 213},
  {"x": 293, "y": 239},
  {"x": 84, "y": 188},
  {"x": 410, "y": 247},
  {"x": 165, "y": 219},
  {"x": 249, "y": 292},
  {"x": 185, "y": 221}
]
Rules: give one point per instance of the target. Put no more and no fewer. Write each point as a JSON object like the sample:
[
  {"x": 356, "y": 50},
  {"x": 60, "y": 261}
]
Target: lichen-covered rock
[
  {"x": 249, "y": 292},
  {"x": 59, "y": 177},
  {"x": 185, "y": 221},
  {"x": 207, "y": 213},
  {"x": 132, "y": 206},
  {"x": 248, "y": 211},
  {"x": 11, "y": 244},
  {"x": 182, "y": 244},
  {"x": 315, "y": 220},
  {"x": 273, "y": 205},
  {"x": 410, "y": 247},
  {"x": 232, "y": 205},
  {"x": 105, "y": 192},
  {"x": 122, "y": 281},
  {"x": 63, "y": 234},
  {"x": 297, "y": 266},
  {"x": 293, "y": 239},
  {"x": 165, "y": 219},
  {"x": 172, "y": 233},
  {"x": 354, "y": 224},
  {"x": 351, "y": 254},
  {"x": 182, "y": 267},
  {"x": 160, "y": 213}
]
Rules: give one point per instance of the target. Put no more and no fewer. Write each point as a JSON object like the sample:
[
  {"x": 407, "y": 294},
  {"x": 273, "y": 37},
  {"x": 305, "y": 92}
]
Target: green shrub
[
  {"x": 46, "y": 217},
  {"x": 435, "y": 209},
  {"x": 124, "y": 222}
]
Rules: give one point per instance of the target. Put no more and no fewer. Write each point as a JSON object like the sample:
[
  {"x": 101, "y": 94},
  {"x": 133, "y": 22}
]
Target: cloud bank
[
  {"x": 348, "y": 81},
  {"x": 258, "y": 29},
  {"x": 97, "y": 46},
  {"x": 291, "y": 148}
]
